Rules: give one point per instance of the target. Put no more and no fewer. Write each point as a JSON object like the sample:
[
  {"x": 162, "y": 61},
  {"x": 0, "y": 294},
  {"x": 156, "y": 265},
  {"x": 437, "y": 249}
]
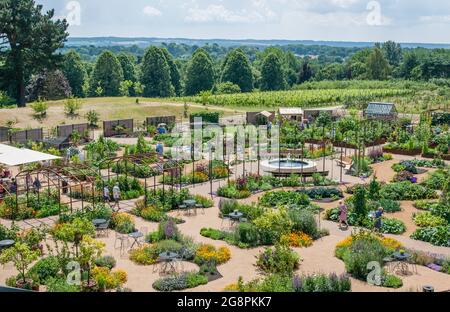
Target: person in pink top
[{"x": 343, "y": 213}]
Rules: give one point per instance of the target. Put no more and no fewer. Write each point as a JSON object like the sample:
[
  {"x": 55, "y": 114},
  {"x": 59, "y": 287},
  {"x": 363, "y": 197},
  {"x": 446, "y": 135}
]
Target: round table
[
  {"x": 402, "y": 265},
  {"x": 136, "y": 236},
  {"x": 190, "y": 202},
  {"x": 98, "y": 222},
  {"x": 401, "y": 257},
  {"x": 169, "y": 262},
  {"x": 236, "y": 215},
  {"x": 6, "y": 243}
]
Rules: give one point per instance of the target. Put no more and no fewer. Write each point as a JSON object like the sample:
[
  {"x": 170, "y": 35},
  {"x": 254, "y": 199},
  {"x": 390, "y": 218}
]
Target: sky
[{"x": 415, "y": 21}]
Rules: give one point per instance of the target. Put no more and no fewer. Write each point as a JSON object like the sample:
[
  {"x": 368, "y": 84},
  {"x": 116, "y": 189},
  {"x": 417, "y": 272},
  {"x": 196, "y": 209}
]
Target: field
[
  {"x": 410, "y": 97},
  {"x": 108, "y": 108}
]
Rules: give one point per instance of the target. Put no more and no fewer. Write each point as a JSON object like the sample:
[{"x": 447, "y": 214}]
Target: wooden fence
[{"x": 118, "y": 127}]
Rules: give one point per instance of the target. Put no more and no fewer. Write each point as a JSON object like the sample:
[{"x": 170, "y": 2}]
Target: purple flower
[{"x": 297, "y": 283}]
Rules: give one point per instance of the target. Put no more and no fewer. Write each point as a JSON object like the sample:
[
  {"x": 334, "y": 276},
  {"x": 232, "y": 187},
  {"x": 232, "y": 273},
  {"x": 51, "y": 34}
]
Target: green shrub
[
  {"x": 106, "y": 262},
  {"x": 427, "y": 219},
  {"x": 59, "y": 285},
  {"x": 406, "y": 191},
  {"x": 323, "y": 193},
  {"x": 180, "y": 282},
  {"x": 304, "y": 221},
  {"x": 392, "y": 281},
  {"x": 392, "y": 226},
  {"x": 388, "y": 205},
  {"x": 284, "y": 198},
  {"x": 44, "y": 269},
  {"x": 322, "y": 283},
  {"x": 280, "y": 259},
  {"x": 272, "y": 225},
  {"x": 247, "y": 234},
  {"x": 213, "y": 234},
  {"x": 363, "y": 249},
  {"x": 438, "y": 235}
]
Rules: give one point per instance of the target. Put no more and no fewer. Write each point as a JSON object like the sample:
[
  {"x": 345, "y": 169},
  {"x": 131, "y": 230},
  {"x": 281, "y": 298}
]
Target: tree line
[{"x": 33, "y": 65}]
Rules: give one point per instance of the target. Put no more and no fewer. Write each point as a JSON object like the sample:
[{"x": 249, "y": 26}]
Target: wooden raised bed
[
  {"x": 432, "y": 156},
  {"x": 399, "y": 151}
]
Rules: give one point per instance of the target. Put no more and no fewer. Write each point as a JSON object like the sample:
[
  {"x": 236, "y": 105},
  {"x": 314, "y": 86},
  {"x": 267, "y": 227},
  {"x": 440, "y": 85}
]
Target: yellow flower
[{"x": 209, "y": 253}]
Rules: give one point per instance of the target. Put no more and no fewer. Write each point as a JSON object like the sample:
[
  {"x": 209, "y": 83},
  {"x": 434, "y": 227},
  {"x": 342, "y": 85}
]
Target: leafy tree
[
  {"x": 237, "y": 70},
  {"x": 393, "y": 52},
  {"x": 410, "y": 61},
  {"x": 360, "y": 204},
  {"x": 333, "y": 71},
  {"x": 156, "y": 74},
  {"x": 200, "y": 73},
  {"x": 272, "y": 77},
  {"x": 129, "y": 71},
  {"x": 226, "y": 88},
  {"x": 93, "y": 118},
  {"x": 32, "y": 38},
  {"x": 90, "y": 250},
  {"x": 75, "y": 72},
  {"x": 49, "y": 85},
  {"x": 72, "y": 106},
  {"x": 306, "y": 72},
  {"x": 22, "y": 257},
  {"x": 175, "y": 75},
  {"x": 107, "y": 75},
  {"x": 125, "y": 87},
  {"x": 377, "y": 65}
]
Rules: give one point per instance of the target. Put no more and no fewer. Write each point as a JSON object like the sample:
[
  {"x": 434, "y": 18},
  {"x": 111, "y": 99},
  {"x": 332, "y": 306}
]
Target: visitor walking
[
  {"x": 343, "y": 214},
  {"x": 106, "y": 195},
  {"x": 116, "y": 196},
  {"x": 13, "y": 186},
  {"x": 160, "y": 149},
  {"x": 36, "y": 185},
  {"x": 378, "y": 215}
]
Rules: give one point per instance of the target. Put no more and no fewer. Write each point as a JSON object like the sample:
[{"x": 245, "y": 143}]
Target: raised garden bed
[
  {"x": 398, "y": 151},
  {"x": 432, "y": 156}
]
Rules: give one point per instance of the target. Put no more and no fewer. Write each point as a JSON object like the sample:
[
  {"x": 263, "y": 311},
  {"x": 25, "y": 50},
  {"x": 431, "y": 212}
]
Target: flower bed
[
  {"x": 363, "y": 248},
  {"x": 34, "y": 206},
  {"x": 270, "y": 227}
]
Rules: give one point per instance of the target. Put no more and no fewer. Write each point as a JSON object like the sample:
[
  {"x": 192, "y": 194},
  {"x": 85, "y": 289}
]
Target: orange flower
[{"x": 297, "y": 239}]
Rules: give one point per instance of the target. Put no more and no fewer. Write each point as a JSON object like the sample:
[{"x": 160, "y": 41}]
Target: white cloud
[
  {"x": 259, "y": 12},
  {"x": 435, "y": 18},
  {"x": 152, "y": 11}
]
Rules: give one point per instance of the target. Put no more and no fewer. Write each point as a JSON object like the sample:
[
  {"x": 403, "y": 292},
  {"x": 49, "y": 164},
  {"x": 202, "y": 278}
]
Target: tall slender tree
[
  {"x": 200, "y": 73},
  {"x": 75, "y": 72},
  {"x": 106, "y": 76},
  {"x": 32, "y": 38},
  {"x": 174, "y": 72},
  {"x": 237, "y": 69},
  {"x": 127, "y": 62},
  {"x": 377, "y": 66},
  {"x": 272, "y": 76},
  {"x": 156, "y": 74}
]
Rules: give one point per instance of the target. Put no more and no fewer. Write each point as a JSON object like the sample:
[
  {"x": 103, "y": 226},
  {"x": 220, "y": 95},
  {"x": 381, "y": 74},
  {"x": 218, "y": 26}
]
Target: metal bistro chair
[
  {"x": 181, "y": 208},
  {"x": 388, "y": 263},
  {"x": 103, "y": 230},
  {"x": 178, "y": 262},
  {"x": 199, "y": 206},
  {"x": 225, "y": 220},
  {"x": 124, "y": 243}
]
